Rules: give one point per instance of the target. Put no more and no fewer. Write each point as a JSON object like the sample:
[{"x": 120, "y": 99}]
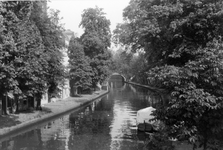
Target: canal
[{"x": 108, "y": 123}]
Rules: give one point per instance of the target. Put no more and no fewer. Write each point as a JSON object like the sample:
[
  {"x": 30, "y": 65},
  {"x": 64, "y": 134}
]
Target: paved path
[{"x": 54, "y": 109}]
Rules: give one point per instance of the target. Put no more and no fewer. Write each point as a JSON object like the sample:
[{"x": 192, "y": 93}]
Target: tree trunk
[
  {"x": 13, "y": 106},
  {"x": 17, "y": 104},
  {"x": 49, "y": 96},
  {"x": 80, "y": 90},
  {"x": 38, "y": 100},
  {"x": 4, "y": 105},
  {"x": 34, "y": 100},
  {"x": 73, "y": 91},
  {"x": 31, "y": 102}
]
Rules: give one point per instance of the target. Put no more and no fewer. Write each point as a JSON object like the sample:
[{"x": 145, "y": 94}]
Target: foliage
[
  {"x": 80, "y": 73},
  {"x": 29, "y": 49},
  {"x": 131, "y": 65},
  {"x": 159, "y": 141},
  {"x": 159, "y": 27},
  {"x": 122, "y": 60},
  {"x": 96, "y": 26},
  {"x": 95, "y": 41},
  {"x": 7, "y": 48},
  {"x": 195, "y": 107},
  {"x": 100, "y": 66},
  {"x": 52, "y": 34},
  {"x": 31, "y": 62},
  {"x": 182, "y": 41}
]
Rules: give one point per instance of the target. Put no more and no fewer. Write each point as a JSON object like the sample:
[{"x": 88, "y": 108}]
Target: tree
[
  {"x": 138, "y": 68},
  {"x": 96, "y": 40},
  {"x": 30, "y": 40},
  {"x": 52, "y": 34},
  {"x": 31, "y": 63},
  {"x": 28, "y": 60},
  {"x": 131, "y": 65},
  {"x": 80, "y": 72},
  {"x": 122, "y": 61},
  {"x": 7, "y": 48},
  {"x": 182, "y": 41}
]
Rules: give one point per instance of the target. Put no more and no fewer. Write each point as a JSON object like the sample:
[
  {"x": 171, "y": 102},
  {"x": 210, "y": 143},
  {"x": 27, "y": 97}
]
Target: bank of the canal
[
  {"x": 50, "y": 111},
  {"x": 154, "y": 89}
]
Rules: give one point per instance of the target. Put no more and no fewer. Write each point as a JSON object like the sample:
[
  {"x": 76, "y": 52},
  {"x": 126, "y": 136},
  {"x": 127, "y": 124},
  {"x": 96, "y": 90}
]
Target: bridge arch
[{"x": 117, "y": 74}]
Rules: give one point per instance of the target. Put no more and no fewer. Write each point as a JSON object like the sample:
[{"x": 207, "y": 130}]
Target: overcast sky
[{"x": 71, "y": 11}]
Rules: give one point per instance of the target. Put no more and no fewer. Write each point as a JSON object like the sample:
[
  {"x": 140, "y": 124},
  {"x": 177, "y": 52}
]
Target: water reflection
[{"x": 106, "y": 124}]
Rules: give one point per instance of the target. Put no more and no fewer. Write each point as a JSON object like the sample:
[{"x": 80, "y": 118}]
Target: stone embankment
[{"x": 14, "y": 123}]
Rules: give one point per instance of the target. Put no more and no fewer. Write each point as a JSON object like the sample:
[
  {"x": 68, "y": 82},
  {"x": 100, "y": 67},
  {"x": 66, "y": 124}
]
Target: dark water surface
[{"x": 108, "y": 123}]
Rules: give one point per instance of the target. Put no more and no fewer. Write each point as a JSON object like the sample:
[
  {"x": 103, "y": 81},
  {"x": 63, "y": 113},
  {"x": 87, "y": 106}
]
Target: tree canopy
[
  {"x": 182, "y": 41},
  {"x": 80, "y": 73},
  {"x": 96, "y": 41},
  {"x": 31, "y": 61}
]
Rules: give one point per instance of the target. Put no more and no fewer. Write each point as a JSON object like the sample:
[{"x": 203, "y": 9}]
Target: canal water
[{"x": 108, "y": 123}]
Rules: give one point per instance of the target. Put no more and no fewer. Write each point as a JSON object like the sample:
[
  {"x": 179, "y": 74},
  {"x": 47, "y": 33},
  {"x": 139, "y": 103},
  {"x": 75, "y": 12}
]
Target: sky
[{"x": 71, "y": 10}]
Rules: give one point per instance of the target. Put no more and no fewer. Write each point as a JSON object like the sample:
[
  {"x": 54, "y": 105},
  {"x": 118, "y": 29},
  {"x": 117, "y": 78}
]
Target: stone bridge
[{"x": 117, "y": 76}]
